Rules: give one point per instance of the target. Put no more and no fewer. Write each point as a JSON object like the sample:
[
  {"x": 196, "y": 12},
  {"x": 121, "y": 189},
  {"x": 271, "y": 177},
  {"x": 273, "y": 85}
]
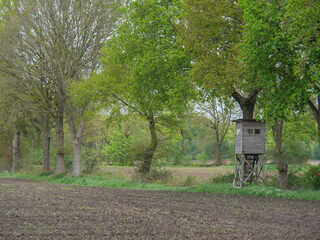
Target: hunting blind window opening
[{"x": 253, "y": 131}]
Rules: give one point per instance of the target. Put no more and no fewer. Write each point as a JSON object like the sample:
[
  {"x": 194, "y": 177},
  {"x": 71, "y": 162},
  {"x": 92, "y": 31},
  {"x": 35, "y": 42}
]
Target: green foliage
[
  {"x": 119, "y": 150},
  {"x": 211, "y": 30},
  {"x": 267, "y": 54},
  {"x": 202, "y": 157},
  {"x": 305, "y": 177},
  {"x": 68, "y": 159},
  {"x": 33, "y": 157},
  {"x": 148, "y": 69},
  {"x": 316, "y": 151},
  {"x": 144, "y": 67},
  {"x": 228, "y": 178},
  {"x": 302, "y": 17},
  {"x": 183, "y": 161},
  {"x": 157, "y": 175},
  {"x": 189, "y": 181},
  {"x": 7, "y": 8},
  {"x": 296, "y": 152},
  {"x": 312, "y": 177}
]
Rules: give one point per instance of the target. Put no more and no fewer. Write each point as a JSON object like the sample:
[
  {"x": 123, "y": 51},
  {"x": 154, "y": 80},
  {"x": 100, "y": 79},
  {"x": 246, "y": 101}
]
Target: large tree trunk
[
  {"x": 247, "y": 104},
  {"x": 60, "y": 166},
  {"x": 46, "y": 144},
  {"x": 148, "y": 155},
  {"x": 282, "y": 166},
  {"x": 16, "y": 156},
  {"x": 76, "y": 164},
  {"x": 76, "y": 135}
]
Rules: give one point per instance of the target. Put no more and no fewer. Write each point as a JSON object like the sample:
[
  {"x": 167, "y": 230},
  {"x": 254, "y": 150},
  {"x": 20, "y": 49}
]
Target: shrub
[
  {"x": 311, "y": 177},
  {"x": 228, "y": 178},
  {"x": 316, "y": 152},
  {"x": 307, "y": 177},
  {"x": 202, "y": 157},
  {"x": 189, "y": 180},
  {"x": 293, "y": 181},
  {"x": 155, "y": 175},
  {"x": 186, "y": 160}
]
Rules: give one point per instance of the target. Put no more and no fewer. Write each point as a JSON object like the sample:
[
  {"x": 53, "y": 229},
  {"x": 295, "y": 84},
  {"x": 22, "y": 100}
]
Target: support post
[{"x": 249, "y": 168}]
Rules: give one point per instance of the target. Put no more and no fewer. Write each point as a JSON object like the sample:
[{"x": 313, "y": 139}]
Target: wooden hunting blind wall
[{"x": 250, "y": 151}]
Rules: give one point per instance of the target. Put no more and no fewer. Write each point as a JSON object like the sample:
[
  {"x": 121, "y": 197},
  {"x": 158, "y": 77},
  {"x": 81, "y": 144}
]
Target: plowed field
[{"x": 38, "y": 210}]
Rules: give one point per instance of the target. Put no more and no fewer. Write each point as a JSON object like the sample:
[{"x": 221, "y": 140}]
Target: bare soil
[{"x": 38, "y": 210}]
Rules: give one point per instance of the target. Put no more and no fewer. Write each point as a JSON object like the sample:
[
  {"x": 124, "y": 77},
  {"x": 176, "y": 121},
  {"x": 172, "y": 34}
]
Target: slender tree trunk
[
  {"x": 60, "y": 166},
  {"x": 316, "y": 113},
  {"x": 46, "y": 144},
  {"x": 218, "y": 153},
  {"x": 318, "y": 122},
  {"x": 148, "y": 155},
  {"x": 182, "y": 143},
  {"x": 282, "y": 166},
  {"x": 16, "y": 156}
]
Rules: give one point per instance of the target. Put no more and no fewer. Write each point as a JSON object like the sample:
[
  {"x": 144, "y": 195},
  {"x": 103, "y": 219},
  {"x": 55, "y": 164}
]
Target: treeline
[{"x": 156, "y": 79}]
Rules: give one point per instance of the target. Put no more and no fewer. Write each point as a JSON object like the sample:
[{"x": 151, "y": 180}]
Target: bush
[
  {"x": 185, "y": 161},
  {"x": 311, "y": 177},
  {"x": 189, "y": 180},
  {"x": 228, "y": 178},
  {"x": 293, "y": 181},
  {"x": 202, "y": 157},
  {"x": 304, "y": 177},
  {"x": 316, "y": 152},
  {"x": 156, "y": 175}
]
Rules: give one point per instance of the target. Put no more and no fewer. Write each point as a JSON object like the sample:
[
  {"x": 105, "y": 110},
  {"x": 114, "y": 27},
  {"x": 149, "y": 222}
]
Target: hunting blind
[{"x": 250, "y": 151}]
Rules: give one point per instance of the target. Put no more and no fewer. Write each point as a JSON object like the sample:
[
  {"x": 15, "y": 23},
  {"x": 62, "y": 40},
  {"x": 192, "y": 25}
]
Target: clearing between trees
[{"x": 38, "y": 210}]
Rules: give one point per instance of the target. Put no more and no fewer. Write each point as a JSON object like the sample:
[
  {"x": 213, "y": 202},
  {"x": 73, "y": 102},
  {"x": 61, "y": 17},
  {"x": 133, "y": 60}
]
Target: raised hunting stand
[{"x": 250, "y": 151}]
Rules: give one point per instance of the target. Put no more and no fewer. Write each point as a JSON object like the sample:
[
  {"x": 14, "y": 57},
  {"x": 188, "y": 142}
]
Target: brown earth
[{"x": 37, "y": 210}]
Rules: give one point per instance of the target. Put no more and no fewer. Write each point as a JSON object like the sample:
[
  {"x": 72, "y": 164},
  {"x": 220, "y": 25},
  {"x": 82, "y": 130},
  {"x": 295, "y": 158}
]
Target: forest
[{"x": 148, "y": 83}]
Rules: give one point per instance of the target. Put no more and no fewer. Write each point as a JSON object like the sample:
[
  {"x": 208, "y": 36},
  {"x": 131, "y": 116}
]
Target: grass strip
[{"x": 113, "y": 181}]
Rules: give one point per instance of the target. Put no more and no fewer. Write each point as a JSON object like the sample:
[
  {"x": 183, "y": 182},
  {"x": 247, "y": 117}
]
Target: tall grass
[{"x": 114, "y": 181}]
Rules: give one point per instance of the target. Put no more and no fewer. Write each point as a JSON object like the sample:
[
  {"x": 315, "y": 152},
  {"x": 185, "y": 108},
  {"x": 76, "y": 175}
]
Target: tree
[
  {"x": 59, "y": 43},
  {"x": 217, "y": 117},
  {"x": 144, "y": 66},
  {"x": 266, "y": 50},
  {"x": 303, "y": 18},
  {"x": 212, "y": 31}
]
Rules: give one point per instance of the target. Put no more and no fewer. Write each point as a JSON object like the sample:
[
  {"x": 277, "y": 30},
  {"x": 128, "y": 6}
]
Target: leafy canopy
[{"x": 144, "y": 63}]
